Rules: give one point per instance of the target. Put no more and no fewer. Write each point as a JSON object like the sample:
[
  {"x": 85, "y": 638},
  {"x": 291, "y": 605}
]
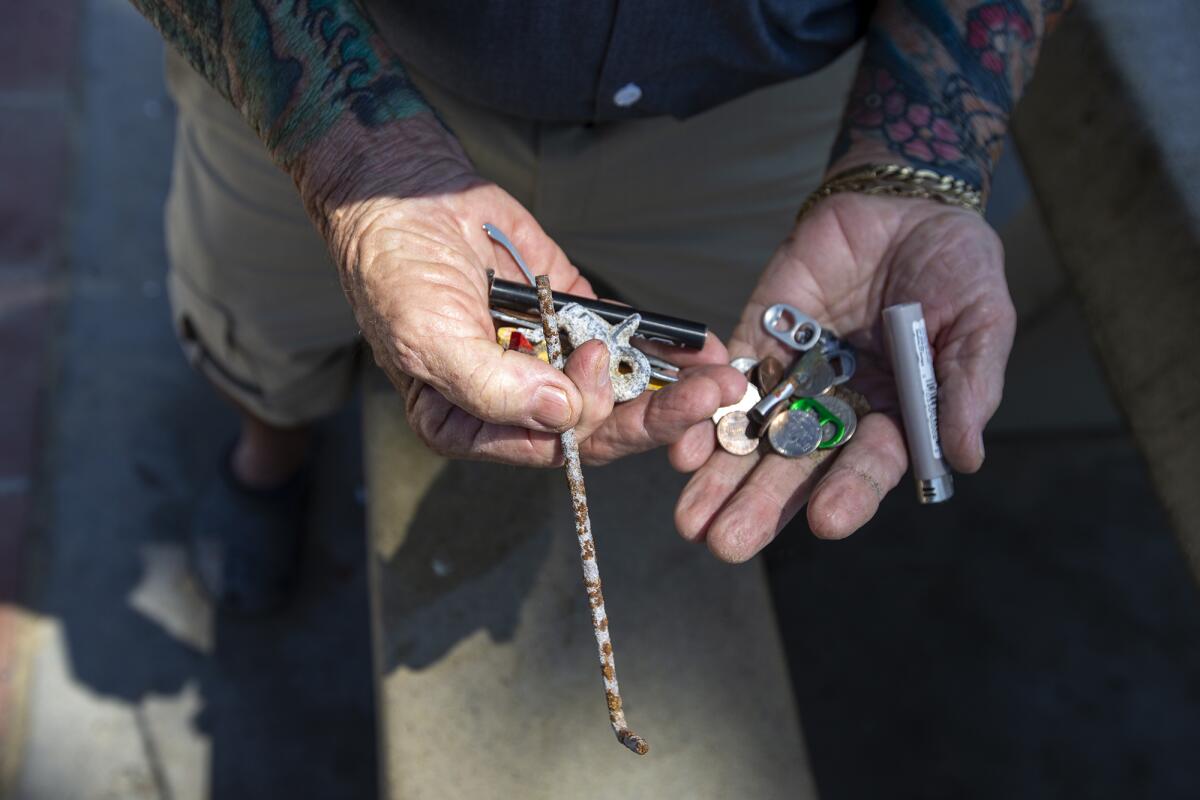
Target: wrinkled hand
[
  {"x": 414, "y": 268},
  {"x": 849, "y": 258}
]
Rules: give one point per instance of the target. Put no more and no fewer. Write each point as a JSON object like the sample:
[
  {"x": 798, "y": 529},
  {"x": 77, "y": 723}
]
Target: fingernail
[
  {"x": 981, "y": 450},
  {"x": 551, "y": 407}
]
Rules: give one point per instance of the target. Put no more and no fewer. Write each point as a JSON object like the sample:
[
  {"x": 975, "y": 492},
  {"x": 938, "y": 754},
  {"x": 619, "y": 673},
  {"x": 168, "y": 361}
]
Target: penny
[
  {"x": 731, "y": 434},
  {"x": 767, "y": 374},
  {"x": 794, "y": 433}
]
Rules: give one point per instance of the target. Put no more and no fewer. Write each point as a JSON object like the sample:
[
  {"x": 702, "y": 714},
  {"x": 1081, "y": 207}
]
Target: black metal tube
[{"x": 519, "y": 297}]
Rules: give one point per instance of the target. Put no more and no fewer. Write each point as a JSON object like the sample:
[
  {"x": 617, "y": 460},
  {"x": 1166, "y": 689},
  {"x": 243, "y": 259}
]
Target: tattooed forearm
[
  {"x": 293, "y": 68},
  {"x": 938, "y": 81}
]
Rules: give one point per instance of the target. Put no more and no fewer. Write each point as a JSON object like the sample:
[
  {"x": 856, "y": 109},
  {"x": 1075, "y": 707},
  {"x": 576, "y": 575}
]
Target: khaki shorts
[{"x": 679, "y": 216}]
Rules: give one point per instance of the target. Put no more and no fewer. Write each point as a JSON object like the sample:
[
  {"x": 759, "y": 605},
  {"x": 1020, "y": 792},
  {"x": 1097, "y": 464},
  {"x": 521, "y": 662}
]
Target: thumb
[
  {"x": 971, "y": 368},
  {"x": 505, "y": 387}
]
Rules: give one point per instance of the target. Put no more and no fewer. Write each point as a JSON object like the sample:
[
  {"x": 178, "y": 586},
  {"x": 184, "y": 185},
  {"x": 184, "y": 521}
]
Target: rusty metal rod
[{"x": 587, "y": 545}]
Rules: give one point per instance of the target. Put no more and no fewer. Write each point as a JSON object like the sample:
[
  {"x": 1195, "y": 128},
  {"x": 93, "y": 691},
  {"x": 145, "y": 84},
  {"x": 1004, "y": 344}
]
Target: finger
[
  {"x": 868, "y": 467},
  {"x": 541, "y": 254},
  {"x": 664, "y": 416},
  {"x": 713, "y": 352},
  {"x": 453, "y": 432},
  {"x": 707, "y": 491},
  {"x": 501, "y": 386},
  {"x": 694, "y": 447},
  {"x": 764, "y": 503},
  {"x": 588, "y": 369},
  {"x": 971, "y": 367}
]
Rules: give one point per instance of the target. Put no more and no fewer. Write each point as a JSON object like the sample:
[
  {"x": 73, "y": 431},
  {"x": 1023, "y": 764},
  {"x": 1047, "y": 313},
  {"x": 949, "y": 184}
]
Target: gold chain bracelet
[{"x": 895, "y": 180}]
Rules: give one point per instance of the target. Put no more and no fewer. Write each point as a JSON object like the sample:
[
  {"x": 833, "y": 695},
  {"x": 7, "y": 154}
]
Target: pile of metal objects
[
  {"x": 795, "y": 410},
  {"x": 799, "y": 409}
]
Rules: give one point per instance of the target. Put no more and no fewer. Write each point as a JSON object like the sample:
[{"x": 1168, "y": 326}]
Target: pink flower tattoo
[
  {"x": 920, "y": 131},
  {"x": 992, "y": 29}
]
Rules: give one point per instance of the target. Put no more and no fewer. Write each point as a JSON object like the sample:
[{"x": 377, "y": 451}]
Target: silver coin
[
  {"x": 794, "y": 433},
  {"x": 842, "y": 410},
  {"x": 731, "y": 433},
  {"x": 749, "y": 400},
  {"x": 743, "y": 364}
]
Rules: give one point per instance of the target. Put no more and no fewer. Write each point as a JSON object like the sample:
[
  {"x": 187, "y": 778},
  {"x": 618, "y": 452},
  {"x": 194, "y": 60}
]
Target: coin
[
  {"x": 768, "y": 374},
  {"x": 857, "y": 401},
  {"x": 749, "y": 400},
  {"x": 794, "y": 433},
  {"x": 842, "y": 410},
  {"x": 813, "y": 374},
  {"x": 731, "y": 433}
]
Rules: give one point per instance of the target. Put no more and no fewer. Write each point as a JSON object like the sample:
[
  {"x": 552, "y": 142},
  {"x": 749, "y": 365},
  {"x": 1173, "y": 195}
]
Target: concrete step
[{"x": 489, "y": 685}]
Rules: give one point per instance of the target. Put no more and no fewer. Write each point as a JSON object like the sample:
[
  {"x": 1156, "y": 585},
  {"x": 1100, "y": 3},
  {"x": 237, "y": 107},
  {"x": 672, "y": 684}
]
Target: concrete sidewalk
[
  {"x": 136, "y": 689},
  {"x": 1038, "y": 637}
]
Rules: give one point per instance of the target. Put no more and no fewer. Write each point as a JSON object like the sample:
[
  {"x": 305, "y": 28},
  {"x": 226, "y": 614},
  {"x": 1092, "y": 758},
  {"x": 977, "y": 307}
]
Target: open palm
[{"x": 849, "y": 258}]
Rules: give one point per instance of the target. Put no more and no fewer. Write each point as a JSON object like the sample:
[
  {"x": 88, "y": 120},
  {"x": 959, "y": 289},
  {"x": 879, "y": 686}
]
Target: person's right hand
[{"x": 413, "y": 256}]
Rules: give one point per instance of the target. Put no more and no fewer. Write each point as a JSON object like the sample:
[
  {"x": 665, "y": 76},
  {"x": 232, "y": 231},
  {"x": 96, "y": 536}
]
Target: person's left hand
[{"x": 849, "y": 258}]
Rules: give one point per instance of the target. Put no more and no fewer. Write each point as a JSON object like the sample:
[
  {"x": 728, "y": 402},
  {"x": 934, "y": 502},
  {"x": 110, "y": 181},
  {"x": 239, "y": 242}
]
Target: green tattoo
[{"x": 293, "y": 68}]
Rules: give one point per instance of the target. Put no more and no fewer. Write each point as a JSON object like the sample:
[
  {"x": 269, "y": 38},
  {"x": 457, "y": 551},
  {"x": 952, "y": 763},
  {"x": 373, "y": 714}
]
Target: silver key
[
  {"x": 840, "y": 355},
  {"x": 843, "y": 362},
  {"x": 792, "y": 326},
  {"x": 749, "y": 400},
  {"x": 812, "y": 375},
  {"x": 794, "y": 433}
]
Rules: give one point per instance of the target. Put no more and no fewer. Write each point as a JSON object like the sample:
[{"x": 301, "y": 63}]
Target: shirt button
[{"x": 627, "y": 95}]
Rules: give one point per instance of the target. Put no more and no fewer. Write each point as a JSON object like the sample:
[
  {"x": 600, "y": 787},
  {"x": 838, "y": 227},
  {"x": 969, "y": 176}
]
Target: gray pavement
[
  {"x": 1038, "y": 637},
  {"x": 138, "y": 690}
]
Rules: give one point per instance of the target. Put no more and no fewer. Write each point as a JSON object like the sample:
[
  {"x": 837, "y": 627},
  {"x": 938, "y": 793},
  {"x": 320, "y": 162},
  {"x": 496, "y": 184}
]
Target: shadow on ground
[
  {"x": 281, "y": 706},
  {"x": 1038, "y": 636}
]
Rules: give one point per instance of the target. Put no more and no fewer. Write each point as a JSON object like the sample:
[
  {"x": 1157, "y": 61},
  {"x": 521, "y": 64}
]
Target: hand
[
  {"x": 850, "y": 257},
  {"x": 413, "y": 258}
]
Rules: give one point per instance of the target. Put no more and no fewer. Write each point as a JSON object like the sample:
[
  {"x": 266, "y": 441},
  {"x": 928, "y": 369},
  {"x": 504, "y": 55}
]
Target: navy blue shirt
[{"x": 594, "y": 60}]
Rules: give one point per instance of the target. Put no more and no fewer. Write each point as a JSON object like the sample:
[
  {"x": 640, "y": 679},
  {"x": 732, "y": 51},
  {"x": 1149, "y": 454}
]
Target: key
[
  {"x": 810, "y": 377},
  {"x": 733, "y": 434},
  {"x": 792, "y": 326},
  {"x": 842, "y": 359},
  {"x": 751, "y": 396},
  {"x": 840, "y": 355},
  {"x": 794, "y": 433},
  {"x": 749, "y": 400}
]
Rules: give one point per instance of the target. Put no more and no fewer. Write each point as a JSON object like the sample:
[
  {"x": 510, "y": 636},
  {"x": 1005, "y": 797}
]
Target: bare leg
[
  {"x": 267, "y": 456},
  {"x": 248, "y": 525}
]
